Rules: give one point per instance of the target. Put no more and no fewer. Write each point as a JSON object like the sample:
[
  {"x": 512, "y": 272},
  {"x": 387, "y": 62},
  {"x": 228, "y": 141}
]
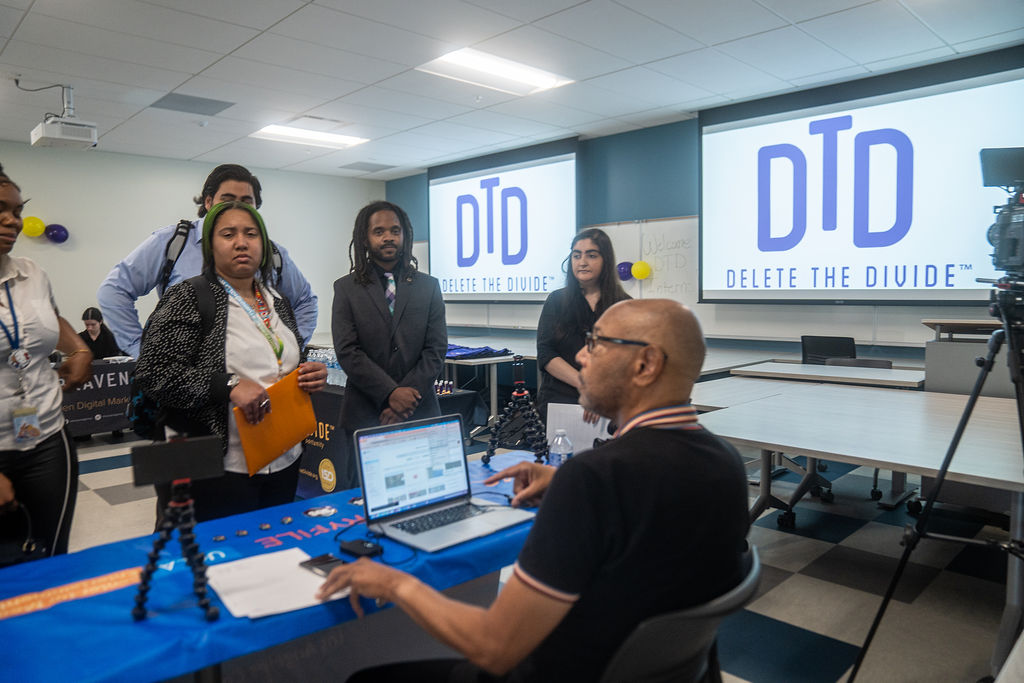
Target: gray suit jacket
[{"x": 380, "y": 351}]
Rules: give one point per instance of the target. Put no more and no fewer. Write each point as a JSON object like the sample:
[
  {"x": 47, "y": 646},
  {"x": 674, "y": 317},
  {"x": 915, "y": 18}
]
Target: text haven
[{"x": 908, "y": 276}]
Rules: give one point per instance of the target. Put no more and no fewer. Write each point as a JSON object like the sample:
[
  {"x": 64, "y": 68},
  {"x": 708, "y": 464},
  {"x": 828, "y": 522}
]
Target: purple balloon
[
  {"x": 55, "y": 232},
  {"x": 625, "y": 269}
]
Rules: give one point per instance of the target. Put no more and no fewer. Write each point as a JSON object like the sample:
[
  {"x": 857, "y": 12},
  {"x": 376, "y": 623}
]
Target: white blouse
[{"x": 249, "y": 356}]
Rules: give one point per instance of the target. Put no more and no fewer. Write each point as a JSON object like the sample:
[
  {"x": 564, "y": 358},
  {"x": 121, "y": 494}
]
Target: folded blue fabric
[{"x": 459, "y": 352}]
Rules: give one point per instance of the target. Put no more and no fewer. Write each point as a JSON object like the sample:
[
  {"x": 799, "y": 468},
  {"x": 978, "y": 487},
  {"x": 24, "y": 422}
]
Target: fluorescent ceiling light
[
  {"x": 303, "y": 136},
  {"x": 479, "y": 68}
]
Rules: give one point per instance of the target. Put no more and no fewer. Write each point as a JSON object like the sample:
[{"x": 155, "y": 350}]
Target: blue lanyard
[
  {"x": 275, "y": 341},
  {"x": 15, "y": 339}
]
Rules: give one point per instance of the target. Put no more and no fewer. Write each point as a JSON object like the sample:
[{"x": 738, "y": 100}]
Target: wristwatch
[{"x": 233, "y": 381}]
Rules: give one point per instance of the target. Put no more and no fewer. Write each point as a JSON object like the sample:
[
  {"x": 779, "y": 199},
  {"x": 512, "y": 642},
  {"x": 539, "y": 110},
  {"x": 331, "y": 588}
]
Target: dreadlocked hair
[
  {"x": 6, "y": 179},
  {"x": 359, "y": 248}
]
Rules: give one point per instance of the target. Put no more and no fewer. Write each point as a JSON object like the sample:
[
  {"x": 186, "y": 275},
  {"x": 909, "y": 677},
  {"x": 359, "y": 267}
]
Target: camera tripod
[
  {"x": 178, "y": 515},
  {"x": 520, "y": 405},
  {"x": 1008, "y": 307}
]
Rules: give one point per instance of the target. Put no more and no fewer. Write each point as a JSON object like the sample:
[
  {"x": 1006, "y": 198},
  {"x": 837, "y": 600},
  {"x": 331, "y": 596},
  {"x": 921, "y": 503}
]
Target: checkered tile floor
[{"x": 821, "y": 585}]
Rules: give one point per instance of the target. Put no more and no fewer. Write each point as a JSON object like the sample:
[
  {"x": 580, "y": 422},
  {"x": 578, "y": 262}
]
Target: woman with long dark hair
[
  {"x": 591, "y": 287},
  {"x": 97, "y": 336}
]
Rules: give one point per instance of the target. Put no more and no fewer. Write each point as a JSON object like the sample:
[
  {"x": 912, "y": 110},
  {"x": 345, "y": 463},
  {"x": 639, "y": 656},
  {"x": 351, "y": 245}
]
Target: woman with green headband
[{"x": 198, "y": 369}]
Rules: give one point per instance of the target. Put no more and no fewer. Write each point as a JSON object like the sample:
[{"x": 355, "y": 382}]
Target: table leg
[
  {"x": 1013, "y": 612},
  {"x": 765, "y": 499},
  {"x": 897, "y": 492}
]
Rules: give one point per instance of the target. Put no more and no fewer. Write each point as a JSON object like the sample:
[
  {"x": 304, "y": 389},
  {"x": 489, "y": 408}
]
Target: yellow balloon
[
  {"x": 641, "y": 270},
  {"x": 32, "y": 226}
]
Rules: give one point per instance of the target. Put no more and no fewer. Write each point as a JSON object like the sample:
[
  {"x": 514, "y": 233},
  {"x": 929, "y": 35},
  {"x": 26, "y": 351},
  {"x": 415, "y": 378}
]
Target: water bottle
[{"x": 560, "y": 449}]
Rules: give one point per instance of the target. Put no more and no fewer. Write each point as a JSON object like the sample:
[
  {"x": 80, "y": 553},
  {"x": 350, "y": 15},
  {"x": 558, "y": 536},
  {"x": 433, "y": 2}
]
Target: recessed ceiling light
[
  {"x": 303, "y": 136},
  {"x": 497, "y": 73}
]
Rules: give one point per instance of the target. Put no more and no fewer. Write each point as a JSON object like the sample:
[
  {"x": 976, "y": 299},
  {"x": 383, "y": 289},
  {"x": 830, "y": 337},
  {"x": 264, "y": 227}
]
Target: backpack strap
[
  {"x": 173, "y": 250},
  {"x": 204, "y": 297},
  {"x": 277, "y": 262}
]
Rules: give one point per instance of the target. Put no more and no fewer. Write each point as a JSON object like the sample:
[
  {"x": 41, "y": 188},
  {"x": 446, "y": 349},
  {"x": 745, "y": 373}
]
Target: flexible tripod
[
  {"x": 520, "y": 404},
  {"x": 1009, "y": 308},
  {"x": 178, "y": 514}
]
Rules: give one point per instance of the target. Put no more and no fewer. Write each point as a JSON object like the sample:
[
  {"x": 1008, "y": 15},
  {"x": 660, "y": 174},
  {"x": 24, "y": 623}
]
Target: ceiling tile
[
  {"x": 84, "y": 88},
  {"x": 827, "y": 77},
  {"x": 97, "y": 42},
  {"x": 30, "y": 55},
  {"x": 247, "y": 95},
  {"x": 9, "y": 18},
  {"x": 918, "y": 58},
  {"x": 271, "y": 48},
  {"x": 801, "y": 10},
  {"x": 991, "y": 42},
  {"x": 259, "y": 14},
  {"x": 610, "y": 27},
  {"x": 414, "y": 138},
  {"x": 640, "y": 85},
  {"x": 342, "y": 110},
  {"x": 451, "y": 21},
  {"x": 149, "y": 21},
  {"x": 716, "y": 72},
  {"x": 709, "y": 22},
  {"x": 393, "y": 100},
  {"x": 503, "y": 123},
  {"x": 329, "y": 27},
  {"x": 436, "y": 87},
  {"x": 526, "y": 10},
  {"x": 463, "y": 134},
  {"x": 588, "y": 97},
  {"x": 658, "y": 117},
  {"x": 546, "y": 112},
  {"x": 786, "y": 52},
  {"x": 19, "y": 4},
  {"x": 607, "y": 127},
  {"x": 957, "y": 21},
  {"x": 873, "y": 32},
  {"x": 264, "y": 153},
  {"x": 544, "y": 50},
  {"x": 280, "y": 78}
]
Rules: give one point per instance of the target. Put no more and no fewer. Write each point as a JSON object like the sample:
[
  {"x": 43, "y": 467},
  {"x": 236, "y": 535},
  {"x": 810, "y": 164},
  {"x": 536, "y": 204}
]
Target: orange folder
[{"x": 290, "y": 420}]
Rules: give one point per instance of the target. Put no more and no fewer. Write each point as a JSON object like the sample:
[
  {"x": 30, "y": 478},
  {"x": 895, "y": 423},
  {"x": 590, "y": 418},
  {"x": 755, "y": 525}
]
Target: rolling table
[
  {"x": 908, "y": 431},
  {"x": 95, "y": 639},
  {"x": 837, "y": 374}
]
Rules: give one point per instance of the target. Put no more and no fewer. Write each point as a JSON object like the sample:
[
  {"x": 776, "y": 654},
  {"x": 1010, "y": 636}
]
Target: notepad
[{"x": 290, "y": 420}]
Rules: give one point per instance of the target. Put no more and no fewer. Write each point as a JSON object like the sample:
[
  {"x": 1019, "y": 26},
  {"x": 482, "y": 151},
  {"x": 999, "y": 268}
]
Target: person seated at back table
[
  {"x": 98, "y": 336},
  {"x": 651, "y": 522}
]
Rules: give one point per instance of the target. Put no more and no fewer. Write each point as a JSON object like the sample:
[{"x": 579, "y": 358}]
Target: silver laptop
[{"x": 416, "y": 485}]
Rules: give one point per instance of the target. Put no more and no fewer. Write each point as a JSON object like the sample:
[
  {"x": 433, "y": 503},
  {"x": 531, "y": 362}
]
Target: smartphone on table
[{"x": 322, "y": 564}]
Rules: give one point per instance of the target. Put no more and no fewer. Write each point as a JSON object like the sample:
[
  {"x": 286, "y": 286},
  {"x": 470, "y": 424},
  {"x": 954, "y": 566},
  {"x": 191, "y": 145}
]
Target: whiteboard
[{"x": 669, "y": 246}]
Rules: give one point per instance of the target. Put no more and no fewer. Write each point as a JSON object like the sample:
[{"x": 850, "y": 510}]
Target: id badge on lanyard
[{"x": 26, "y": 415}]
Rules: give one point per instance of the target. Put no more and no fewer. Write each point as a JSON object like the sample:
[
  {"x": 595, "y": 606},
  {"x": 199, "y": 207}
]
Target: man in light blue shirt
[{"x": 142, "y": 270}]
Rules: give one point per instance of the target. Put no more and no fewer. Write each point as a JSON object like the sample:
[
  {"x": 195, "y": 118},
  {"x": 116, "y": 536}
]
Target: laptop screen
[{"x": 409, "y": 465}]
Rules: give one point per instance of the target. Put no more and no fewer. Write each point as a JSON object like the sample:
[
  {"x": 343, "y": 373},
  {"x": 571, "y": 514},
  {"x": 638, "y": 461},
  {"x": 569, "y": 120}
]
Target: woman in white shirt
[
  {"x": 198, "y": 371},
  {"x": 38, "y": 461}
]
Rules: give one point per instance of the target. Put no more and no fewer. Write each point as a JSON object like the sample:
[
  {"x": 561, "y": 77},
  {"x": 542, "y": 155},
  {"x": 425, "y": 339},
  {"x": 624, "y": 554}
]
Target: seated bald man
[{"x": 653, "y": 521}]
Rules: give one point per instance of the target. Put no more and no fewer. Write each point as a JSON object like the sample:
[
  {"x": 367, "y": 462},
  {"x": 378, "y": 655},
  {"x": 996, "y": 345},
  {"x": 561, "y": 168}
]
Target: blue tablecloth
[{"x": 95, "y": 639}]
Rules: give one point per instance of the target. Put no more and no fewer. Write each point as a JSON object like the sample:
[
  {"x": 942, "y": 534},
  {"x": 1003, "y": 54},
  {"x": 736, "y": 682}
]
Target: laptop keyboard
[{"x": 433, "y": 520}]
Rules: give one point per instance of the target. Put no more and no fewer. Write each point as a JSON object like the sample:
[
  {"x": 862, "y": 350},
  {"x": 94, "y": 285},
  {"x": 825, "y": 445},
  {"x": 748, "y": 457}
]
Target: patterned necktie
[{"x": 389, "y": 292}]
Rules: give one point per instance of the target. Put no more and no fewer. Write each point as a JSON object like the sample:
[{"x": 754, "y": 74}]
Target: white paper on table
[
  {"x": 267, "y": 584},
  {"x": 569, "y": 416}
]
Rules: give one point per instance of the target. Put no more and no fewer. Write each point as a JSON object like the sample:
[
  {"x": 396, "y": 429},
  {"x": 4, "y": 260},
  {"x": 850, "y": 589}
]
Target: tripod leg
[
  {"x": 166, "y": 529},
  {"x": 1013, "y": 613},
  {"x": 194, "y": 557}
]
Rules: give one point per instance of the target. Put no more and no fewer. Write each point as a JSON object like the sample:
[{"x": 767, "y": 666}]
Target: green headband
[{"x": 211, "y": 220}]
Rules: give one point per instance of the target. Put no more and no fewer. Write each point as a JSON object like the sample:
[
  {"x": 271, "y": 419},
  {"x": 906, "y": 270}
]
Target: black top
[
  {"x": 652, "y": 522},
  {"x": 560, "y": 334},
  {"x": 104, "y": 345}
]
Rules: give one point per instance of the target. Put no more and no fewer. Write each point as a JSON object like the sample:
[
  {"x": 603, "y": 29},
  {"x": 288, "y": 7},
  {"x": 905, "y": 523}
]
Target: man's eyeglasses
[{"x": 592, "y": 340}]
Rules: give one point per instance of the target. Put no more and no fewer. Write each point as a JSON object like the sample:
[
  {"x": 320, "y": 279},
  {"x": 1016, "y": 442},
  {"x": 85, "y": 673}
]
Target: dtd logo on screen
[
  {"x": 468, "y": 231},
  {"x": 898, "y": 144}
]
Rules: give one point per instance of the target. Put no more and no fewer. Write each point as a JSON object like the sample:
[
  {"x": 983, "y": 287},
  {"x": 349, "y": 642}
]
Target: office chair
[
  {"x": 681, "y": 646},
  {"x": 876, "y": 493},
  {"x": 815, "y": 350}
]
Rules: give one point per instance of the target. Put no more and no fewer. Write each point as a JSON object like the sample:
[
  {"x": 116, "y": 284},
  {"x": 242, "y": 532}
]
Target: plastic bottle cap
[{"x": 559, "y": 432}]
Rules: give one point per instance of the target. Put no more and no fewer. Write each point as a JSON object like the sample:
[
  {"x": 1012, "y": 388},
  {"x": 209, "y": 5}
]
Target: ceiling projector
[{"x": 66, "y": 132}]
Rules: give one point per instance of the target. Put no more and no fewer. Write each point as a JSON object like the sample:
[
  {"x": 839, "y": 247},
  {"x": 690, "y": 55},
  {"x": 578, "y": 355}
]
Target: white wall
[{"x": 111, "y": 202}]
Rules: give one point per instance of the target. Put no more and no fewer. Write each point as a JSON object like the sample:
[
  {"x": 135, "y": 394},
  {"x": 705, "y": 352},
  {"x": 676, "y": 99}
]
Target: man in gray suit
[{"x": 388, "y": 326}]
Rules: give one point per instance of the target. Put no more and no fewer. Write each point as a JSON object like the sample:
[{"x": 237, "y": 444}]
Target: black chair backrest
[
  {"x": 817, "y": 349},
  {"x": 861, "y": 362},
  {"x": 676, "y": 646}
]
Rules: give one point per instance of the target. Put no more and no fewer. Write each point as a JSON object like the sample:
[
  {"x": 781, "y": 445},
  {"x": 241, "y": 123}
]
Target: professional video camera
[{"x": 1004, "y": 167}]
